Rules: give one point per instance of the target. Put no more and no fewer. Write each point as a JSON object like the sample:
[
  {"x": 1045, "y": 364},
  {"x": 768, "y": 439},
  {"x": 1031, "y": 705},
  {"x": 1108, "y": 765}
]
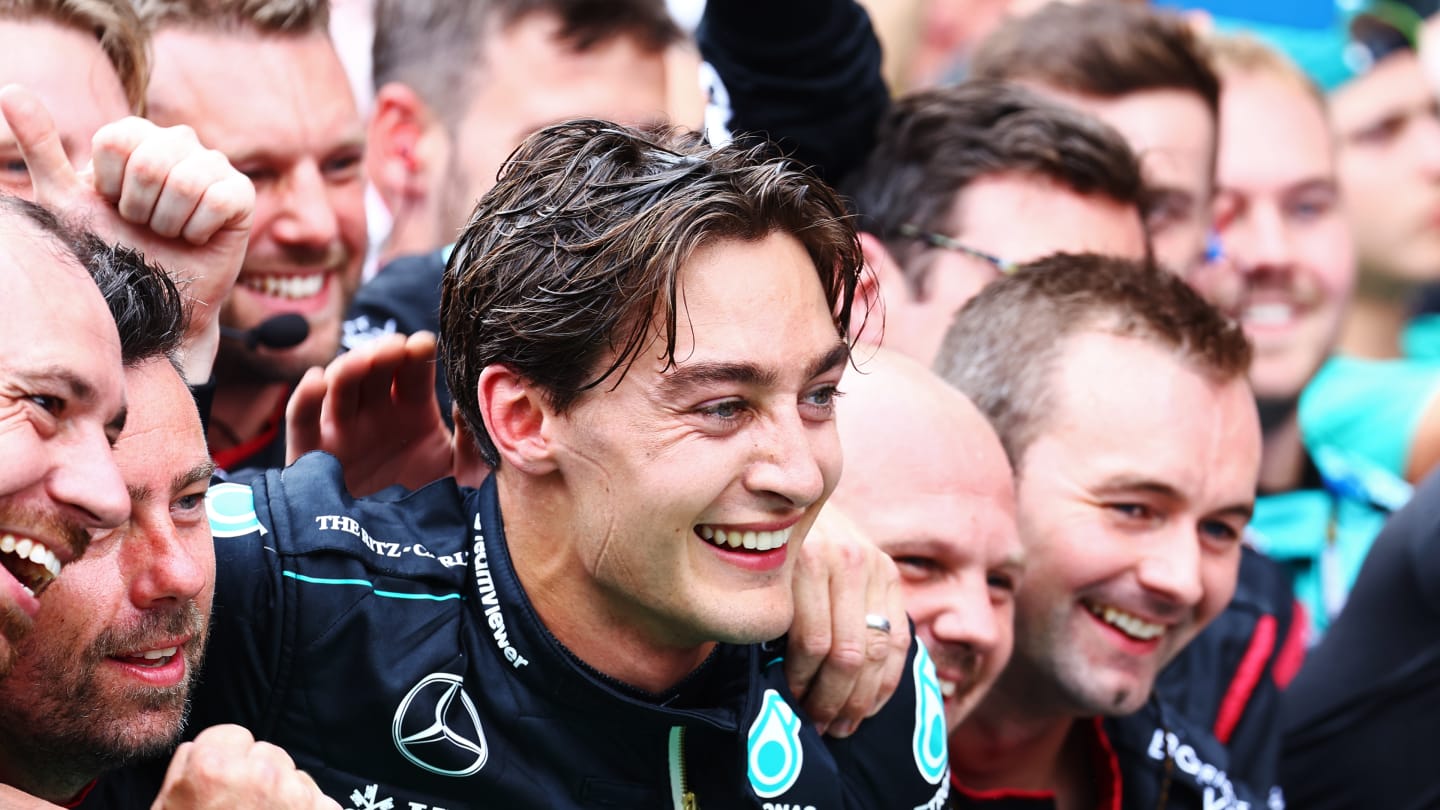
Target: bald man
[{"x": 928, "y": 482}]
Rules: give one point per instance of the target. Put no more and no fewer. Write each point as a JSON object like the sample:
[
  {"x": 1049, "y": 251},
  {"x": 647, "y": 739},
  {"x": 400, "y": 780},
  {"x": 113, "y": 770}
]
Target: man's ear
[
  {"x": 516, "y": 415},
  {"x": 401, "y": 146},
  {"x": 880, "y": 282}
]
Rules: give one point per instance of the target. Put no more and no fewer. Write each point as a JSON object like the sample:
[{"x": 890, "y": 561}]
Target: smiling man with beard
[
  {"x": 105, "y": 677},
  {"x": 221, "y": 67},
  {"x": 61, "y": 406}
]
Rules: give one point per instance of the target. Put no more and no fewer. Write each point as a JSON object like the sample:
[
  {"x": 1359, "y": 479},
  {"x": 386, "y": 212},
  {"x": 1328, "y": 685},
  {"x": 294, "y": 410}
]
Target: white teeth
[
  {"x": 756, "y": 541},
  {"x": 293, "y": 288},
  {"x": 156, "y": 655},
  {"x": 1129, "y": 624},
  {"x": 1268, "y": 314},
  {"x": 32, "y": 551},
  {"x": 947, "y": 689}
]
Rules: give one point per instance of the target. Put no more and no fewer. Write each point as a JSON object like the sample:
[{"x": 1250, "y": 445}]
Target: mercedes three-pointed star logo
[{"x": 432, "y": 732}]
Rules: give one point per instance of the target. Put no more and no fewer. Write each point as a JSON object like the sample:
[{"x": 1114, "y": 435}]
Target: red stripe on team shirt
[{"x": 1247, "y": 677}]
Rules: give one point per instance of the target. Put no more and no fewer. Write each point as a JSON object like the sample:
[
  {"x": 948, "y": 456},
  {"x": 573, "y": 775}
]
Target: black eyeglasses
[{"x": 940, "y": 240}]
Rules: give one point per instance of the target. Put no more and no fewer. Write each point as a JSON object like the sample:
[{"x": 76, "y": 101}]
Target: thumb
[{"x": 51, "y": 174}]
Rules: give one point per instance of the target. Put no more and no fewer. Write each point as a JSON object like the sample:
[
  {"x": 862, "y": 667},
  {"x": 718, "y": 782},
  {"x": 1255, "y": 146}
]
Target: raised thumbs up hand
[{"x": 154, "y": 189}]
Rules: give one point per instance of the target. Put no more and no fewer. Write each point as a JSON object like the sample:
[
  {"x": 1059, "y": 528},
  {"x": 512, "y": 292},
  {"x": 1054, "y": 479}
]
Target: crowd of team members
[{"x": 1036, "y": 321}]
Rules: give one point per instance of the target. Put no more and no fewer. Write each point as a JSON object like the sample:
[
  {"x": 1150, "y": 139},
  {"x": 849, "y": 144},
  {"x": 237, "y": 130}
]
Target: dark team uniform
[
  {"x": 387, "y": 644},
  {"x": 1155, "y": 758},
  {"x": 1229, "y": 678},
  {"x": 1362, "y": 716}
]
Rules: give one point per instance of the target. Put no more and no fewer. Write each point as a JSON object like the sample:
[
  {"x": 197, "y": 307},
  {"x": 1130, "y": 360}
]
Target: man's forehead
[
  {"x": 29, "y": 257},
  {"x": 1013, "y": 214},
  {"x": 295, "y": 82},
  {"x": 1149, "y": 421},
  {"x": 163, "y": 422}
]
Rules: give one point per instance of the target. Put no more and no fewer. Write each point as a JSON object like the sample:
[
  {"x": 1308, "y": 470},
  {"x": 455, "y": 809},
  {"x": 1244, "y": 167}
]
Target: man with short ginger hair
[{"x": 1136, "y": 445}]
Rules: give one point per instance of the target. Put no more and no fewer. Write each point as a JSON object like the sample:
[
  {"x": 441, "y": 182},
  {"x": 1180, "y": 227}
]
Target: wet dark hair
[{"x": 568, "y": 262}]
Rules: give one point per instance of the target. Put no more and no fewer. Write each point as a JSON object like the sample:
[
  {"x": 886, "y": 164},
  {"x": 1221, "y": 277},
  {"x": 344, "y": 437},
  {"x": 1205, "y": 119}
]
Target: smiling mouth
[
  {"x": 747, "y": 540},
  {"x": 296, "y": 287},
  {"x": 150, "y": 659},
  {"x": 1127, "y": 623},
  {"x": 1275, "y": 314},
  {"x": 32, "y": 564}
]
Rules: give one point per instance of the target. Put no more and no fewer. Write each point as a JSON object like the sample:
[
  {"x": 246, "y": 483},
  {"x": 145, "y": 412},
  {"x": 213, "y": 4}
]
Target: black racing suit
[
  {"x": 1152, "y": 759},
  {"x": 387, "y": 644},
  {"x": 1361, "y": 718}
]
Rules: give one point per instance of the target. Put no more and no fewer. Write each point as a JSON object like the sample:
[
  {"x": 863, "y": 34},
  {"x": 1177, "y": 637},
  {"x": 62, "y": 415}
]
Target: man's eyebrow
[
  {"x": 200, "y": 472},
  {"x": 1164, "y": 490},
  {"x": 838, "y": 355},
  {"x": 75, "y": 387},
  {"x": 697, "y": 375},
  {"x": 181, "y": 482},
  {"x": 1128, "y": 483},
  {"x": 348, "y": 142},
  {"x": 1244, "y": 511}
]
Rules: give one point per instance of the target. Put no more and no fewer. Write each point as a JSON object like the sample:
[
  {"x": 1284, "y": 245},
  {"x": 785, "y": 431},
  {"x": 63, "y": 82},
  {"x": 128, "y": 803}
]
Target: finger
[
  {"x": 849, "y": 637},
  {"x": 186, "y": 184},
  {"x": 342, "y": 382},
  {"x": 302, "y": 415},
  {"x": 146, "y": 172},
  {"x": 879, "y": 647},
  {"x": 415, "y": 379},
  {"x": 271, "y": 759},
  {"x": 377, "y": 388},
  {"x": 110, "y": 154},
  {"x": 228, "y": 203},
  {"x": 51, "y": 175},
  {"x": 228, "y": 736},
  {"x": 899, "y": 640},
  {"x": 809, "y": 639},
  {"x": 179, "y": 763}
]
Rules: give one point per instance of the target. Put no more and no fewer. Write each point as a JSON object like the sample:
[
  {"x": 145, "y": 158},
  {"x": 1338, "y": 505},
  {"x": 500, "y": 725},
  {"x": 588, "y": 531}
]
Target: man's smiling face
[
  {"x": 1132, "y": 499},
  {"x": 689, "y": 482},
  {"x": 61, "y": 405}
]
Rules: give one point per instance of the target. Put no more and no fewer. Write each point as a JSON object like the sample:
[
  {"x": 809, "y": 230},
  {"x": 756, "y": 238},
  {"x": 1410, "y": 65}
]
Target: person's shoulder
[
  {"x": 403, "y": 298},
  {"x": 309, "y": 511}
]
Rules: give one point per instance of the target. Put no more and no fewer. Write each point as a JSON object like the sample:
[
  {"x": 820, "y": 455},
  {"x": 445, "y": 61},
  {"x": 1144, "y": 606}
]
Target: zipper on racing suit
[{"x": 680, "y": 792}]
